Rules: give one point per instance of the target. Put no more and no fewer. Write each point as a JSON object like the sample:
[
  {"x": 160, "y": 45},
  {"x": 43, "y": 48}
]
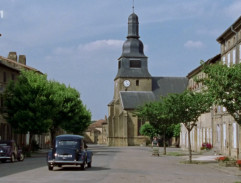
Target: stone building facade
[
  {"x": 218, "y": 127},
  {"x": 134, "y": 86}
]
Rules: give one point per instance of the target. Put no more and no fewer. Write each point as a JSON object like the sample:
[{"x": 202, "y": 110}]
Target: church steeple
[
  {"x": 133, "y": 62},
  {"x": 133, "y": 26}
]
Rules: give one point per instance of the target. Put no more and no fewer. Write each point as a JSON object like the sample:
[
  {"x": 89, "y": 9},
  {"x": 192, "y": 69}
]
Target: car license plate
[{"x": 65, "y": 156}]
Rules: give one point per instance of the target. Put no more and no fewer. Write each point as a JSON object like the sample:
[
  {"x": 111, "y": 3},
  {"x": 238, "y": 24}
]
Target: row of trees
[
  {"x": 175, "y": 109},
  {"x": 35, "y": 105},
  {"x": 221, "y": 86}
]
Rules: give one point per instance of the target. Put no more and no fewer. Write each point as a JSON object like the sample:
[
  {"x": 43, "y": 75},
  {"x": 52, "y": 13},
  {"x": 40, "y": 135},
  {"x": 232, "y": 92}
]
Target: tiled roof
[{"x": 16, "y": 65}]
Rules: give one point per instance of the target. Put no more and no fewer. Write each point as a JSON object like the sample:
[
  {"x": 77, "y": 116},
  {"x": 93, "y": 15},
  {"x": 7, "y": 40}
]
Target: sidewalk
[{"x": 207, "y": 158}]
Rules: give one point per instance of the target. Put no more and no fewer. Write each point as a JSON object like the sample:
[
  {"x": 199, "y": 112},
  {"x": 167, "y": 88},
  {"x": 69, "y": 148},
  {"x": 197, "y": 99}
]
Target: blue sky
[{"x": 78, "y": 42}]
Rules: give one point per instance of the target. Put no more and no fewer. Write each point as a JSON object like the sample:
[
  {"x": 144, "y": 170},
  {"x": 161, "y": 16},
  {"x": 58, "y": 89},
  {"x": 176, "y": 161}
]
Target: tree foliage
[
  {"x": 224, "y": 85},
  {"x": 36, "y": 105},
  {"x": 148, "y": 130},
  {"x": 186, "y": 109},
  {"x": 27, "y": 105},
  {"x": 157, "y": 113}
]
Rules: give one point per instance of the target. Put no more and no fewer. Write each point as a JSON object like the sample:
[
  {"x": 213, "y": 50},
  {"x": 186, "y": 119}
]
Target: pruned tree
[
  {"x": 27, "y": 107},
  {"x": 224, "y": 85},
  {"x": 186, "y": 109}
]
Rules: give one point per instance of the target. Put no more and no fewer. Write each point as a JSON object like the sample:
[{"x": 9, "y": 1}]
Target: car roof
[{"x": 69, "y": 136}]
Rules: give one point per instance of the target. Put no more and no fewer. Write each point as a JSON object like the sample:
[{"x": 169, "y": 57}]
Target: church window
[
  {"x": 119, "y": 65},
  {"x": 135, "y": 63},
  {"x": 137, "y": 82}
]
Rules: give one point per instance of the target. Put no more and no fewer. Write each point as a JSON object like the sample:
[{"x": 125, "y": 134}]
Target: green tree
[
  {"x": 157, "y": 115},
  {"x": 36, "y": 105},
  {"x": 148, "y": 130},
  {"x": 186, "y": 109},
  {"x": 68, "y": 112},
  {"x": 224, "y": 85},
  {"x": 27, "y": 108}
]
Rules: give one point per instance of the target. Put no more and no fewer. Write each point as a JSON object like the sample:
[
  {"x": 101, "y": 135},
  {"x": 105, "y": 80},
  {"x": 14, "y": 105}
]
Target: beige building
[
  {"x": 97, "y": 132},
  {"x": 134, "y": 86},
  {"x": 218, "y": 127}
]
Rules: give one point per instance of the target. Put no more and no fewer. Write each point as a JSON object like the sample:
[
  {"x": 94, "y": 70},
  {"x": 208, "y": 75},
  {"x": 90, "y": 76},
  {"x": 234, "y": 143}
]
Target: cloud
[
  {"x": 193, "y": 44},
  {"x": 233, "y": 10},
  {"x": 101, "y": 44}
]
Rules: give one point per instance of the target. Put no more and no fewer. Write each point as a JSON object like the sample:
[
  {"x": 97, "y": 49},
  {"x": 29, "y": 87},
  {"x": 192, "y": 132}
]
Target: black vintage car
[
  {"x": 69, "y": 150},
  {"x": 10, "y": 151}
]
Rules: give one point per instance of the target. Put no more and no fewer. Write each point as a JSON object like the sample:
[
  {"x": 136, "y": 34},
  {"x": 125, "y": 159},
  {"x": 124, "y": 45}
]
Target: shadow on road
[{"x": 78, "y": 169}]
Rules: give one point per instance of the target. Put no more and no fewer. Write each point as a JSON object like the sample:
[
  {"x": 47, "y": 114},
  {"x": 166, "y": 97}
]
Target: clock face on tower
[{"x": 127, "y": 83}]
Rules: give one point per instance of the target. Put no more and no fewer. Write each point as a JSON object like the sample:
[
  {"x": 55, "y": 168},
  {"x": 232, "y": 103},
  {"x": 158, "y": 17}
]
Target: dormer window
[{"x": 135, "y": 64}]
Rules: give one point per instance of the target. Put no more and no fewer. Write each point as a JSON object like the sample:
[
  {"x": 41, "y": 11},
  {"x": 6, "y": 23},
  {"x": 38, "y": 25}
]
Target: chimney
[
  {"x": 22, "y": 59},
  {"x": 12, "y": 56}
]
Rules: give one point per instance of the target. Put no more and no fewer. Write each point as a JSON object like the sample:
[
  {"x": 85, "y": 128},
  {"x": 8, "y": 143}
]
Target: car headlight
[{"x": 1, "y": 151}]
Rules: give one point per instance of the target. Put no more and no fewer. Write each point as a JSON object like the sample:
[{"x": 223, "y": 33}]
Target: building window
[
  {"x": 13, "y": 77},
  {"x": 1, "y": 101},
  {"x": 224, "y": 60},
  {"x": 135, "y": 63},
  {"x": 137, "y": 82},
  {"x": 229, "y": 60},
  {"x": 4, "y": 77},
  {"x": 234, "y": 135},
  {"x": 239, "y": 52},
  {"x": 218, "y": 133},
  {"x": 234, "y": 56},
  {"x": 224, "y": 135}
]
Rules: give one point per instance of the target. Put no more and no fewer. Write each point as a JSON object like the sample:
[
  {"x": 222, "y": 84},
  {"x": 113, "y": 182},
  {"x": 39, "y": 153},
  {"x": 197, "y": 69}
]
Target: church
[{"x": 133, "y": 87}]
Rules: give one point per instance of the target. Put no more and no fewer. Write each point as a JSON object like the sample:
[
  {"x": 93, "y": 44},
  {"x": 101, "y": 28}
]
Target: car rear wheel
[
  {"x": 12, "y": 158},
  {"x": 82, "y": 166},
  {"x": 50, "y": 167},
  {"x": 89, "y": 165}
]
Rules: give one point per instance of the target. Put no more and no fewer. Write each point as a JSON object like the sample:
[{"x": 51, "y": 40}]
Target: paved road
[{"x": 118, "y": 165}]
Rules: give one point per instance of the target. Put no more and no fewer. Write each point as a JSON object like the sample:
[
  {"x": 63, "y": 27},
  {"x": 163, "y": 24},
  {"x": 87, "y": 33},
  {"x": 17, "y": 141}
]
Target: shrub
[
  {"x": 206, "y": 146},
  {"x": 222, "y": 158}
]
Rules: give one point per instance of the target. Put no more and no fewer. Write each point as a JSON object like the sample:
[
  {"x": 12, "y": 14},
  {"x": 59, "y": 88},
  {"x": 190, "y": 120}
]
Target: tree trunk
[
  {"x": 52, "y": 134},
  {"x": 189, "y": 146},
  {"x": 30, "y": 143},
  {"x": 164, "y": 144}
]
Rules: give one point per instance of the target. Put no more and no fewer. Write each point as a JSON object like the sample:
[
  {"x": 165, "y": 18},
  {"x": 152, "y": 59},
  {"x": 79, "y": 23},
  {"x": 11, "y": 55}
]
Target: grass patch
[{"x": 175, "y": 154}]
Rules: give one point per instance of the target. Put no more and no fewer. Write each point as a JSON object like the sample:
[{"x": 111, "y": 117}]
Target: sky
[{"x": 78, "y": 42}]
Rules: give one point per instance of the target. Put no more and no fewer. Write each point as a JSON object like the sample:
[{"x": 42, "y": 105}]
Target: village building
[
  {"x": 218, "y": 127},
  {"x": 133, "y": 87},
  {"x": 96, "y": 132},
  {"x": 10, "y": 68}
]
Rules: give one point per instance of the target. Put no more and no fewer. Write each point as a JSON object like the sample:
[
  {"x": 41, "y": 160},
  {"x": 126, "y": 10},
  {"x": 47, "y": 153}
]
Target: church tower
[
  {"x": 133, "y": 74},
  {"x": 132, "y": 79}
]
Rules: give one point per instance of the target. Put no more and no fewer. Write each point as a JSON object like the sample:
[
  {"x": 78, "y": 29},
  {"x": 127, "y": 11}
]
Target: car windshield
[{"x": 66, "y": 143}]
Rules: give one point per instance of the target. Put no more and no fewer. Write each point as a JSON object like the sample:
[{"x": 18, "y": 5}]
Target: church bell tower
[{"x": 133, "y": 74}]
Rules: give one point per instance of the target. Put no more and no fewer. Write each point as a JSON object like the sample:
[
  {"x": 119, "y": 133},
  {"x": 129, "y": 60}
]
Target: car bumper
[
  {"x": 59, "y": 162},
  {"x": 5, "y": 157}
]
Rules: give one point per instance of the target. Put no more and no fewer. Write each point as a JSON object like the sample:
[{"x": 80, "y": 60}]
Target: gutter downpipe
[{"x": 236, "y": 49}]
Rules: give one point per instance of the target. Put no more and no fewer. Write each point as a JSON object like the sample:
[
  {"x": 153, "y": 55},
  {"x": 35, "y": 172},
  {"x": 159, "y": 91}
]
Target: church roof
[
  {"x": 133, "y": 99},
  {"x": 161, "y": 86}
]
